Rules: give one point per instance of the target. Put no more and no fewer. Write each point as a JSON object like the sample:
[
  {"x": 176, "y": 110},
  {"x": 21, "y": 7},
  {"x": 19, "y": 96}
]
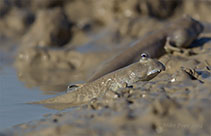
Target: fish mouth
[
  {"x": 151, "y": 74},
  {"x": 154, "y": 72}
]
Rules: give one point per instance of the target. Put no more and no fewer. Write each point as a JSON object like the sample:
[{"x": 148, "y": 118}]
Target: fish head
[{"x": 148, "y": 68}]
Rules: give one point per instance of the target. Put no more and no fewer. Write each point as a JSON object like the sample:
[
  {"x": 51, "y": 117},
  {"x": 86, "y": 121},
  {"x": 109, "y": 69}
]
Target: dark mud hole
[{"x": 52, "y": 55}]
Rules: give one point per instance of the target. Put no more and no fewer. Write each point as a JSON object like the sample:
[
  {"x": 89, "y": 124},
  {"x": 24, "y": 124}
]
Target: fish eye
[{"x": 144, "y": 56}]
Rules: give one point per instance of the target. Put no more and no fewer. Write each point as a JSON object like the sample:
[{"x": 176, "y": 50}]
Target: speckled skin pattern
[{"x": 145, "y": 69}]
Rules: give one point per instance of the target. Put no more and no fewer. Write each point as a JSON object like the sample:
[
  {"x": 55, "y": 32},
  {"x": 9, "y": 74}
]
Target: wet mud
[{"x": 63, "y": 42}]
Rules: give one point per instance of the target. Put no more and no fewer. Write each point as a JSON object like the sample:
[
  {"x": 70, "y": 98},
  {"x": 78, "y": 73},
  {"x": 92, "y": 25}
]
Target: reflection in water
[
  {"x": 13, "y": 96},
  {"x": 54, "y": 69},
  {"x": 48, "y": 80},
  {"x": 49, "y": 69}
]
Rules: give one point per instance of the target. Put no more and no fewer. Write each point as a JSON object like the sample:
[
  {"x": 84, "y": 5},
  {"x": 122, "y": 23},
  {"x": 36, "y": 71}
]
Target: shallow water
[
  {"x": 13, "y": 98},
  {"x": 14, "y": 94}
]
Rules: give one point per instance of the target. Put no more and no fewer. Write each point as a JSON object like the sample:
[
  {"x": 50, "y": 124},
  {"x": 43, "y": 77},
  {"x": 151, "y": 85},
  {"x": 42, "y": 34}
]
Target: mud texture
[
  {"x": 51, "y": 28},
  {"x": 177, "y": 101},
  {"x": 65, "y": 41}
]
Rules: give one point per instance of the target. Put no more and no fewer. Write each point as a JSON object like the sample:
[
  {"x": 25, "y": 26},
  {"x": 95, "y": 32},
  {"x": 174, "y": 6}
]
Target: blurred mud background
[{"x": 57, "y": 42}]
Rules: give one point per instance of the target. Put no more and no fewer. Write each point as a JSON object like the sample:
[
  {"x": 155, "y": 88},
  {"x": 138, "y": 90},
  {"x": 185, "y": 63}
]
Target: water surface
[
  {"x": 14, "y": 94},
  {"x": 13, "y": 98}
]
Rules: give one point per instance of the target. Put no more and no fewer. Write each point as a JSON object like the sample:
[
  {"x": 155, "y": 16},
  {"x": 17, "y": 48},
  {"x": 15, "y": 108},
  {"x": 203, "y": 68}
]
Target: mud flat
[
  {"x": 176, "y": 102},
  {"x": 50, "y": 56}
]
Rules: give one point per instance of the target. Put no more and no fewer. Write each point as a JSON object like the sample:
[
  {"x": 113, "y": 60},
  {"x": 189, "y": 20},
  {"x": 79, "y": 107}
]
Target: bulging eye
[{"x": 144, "y": 56}]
